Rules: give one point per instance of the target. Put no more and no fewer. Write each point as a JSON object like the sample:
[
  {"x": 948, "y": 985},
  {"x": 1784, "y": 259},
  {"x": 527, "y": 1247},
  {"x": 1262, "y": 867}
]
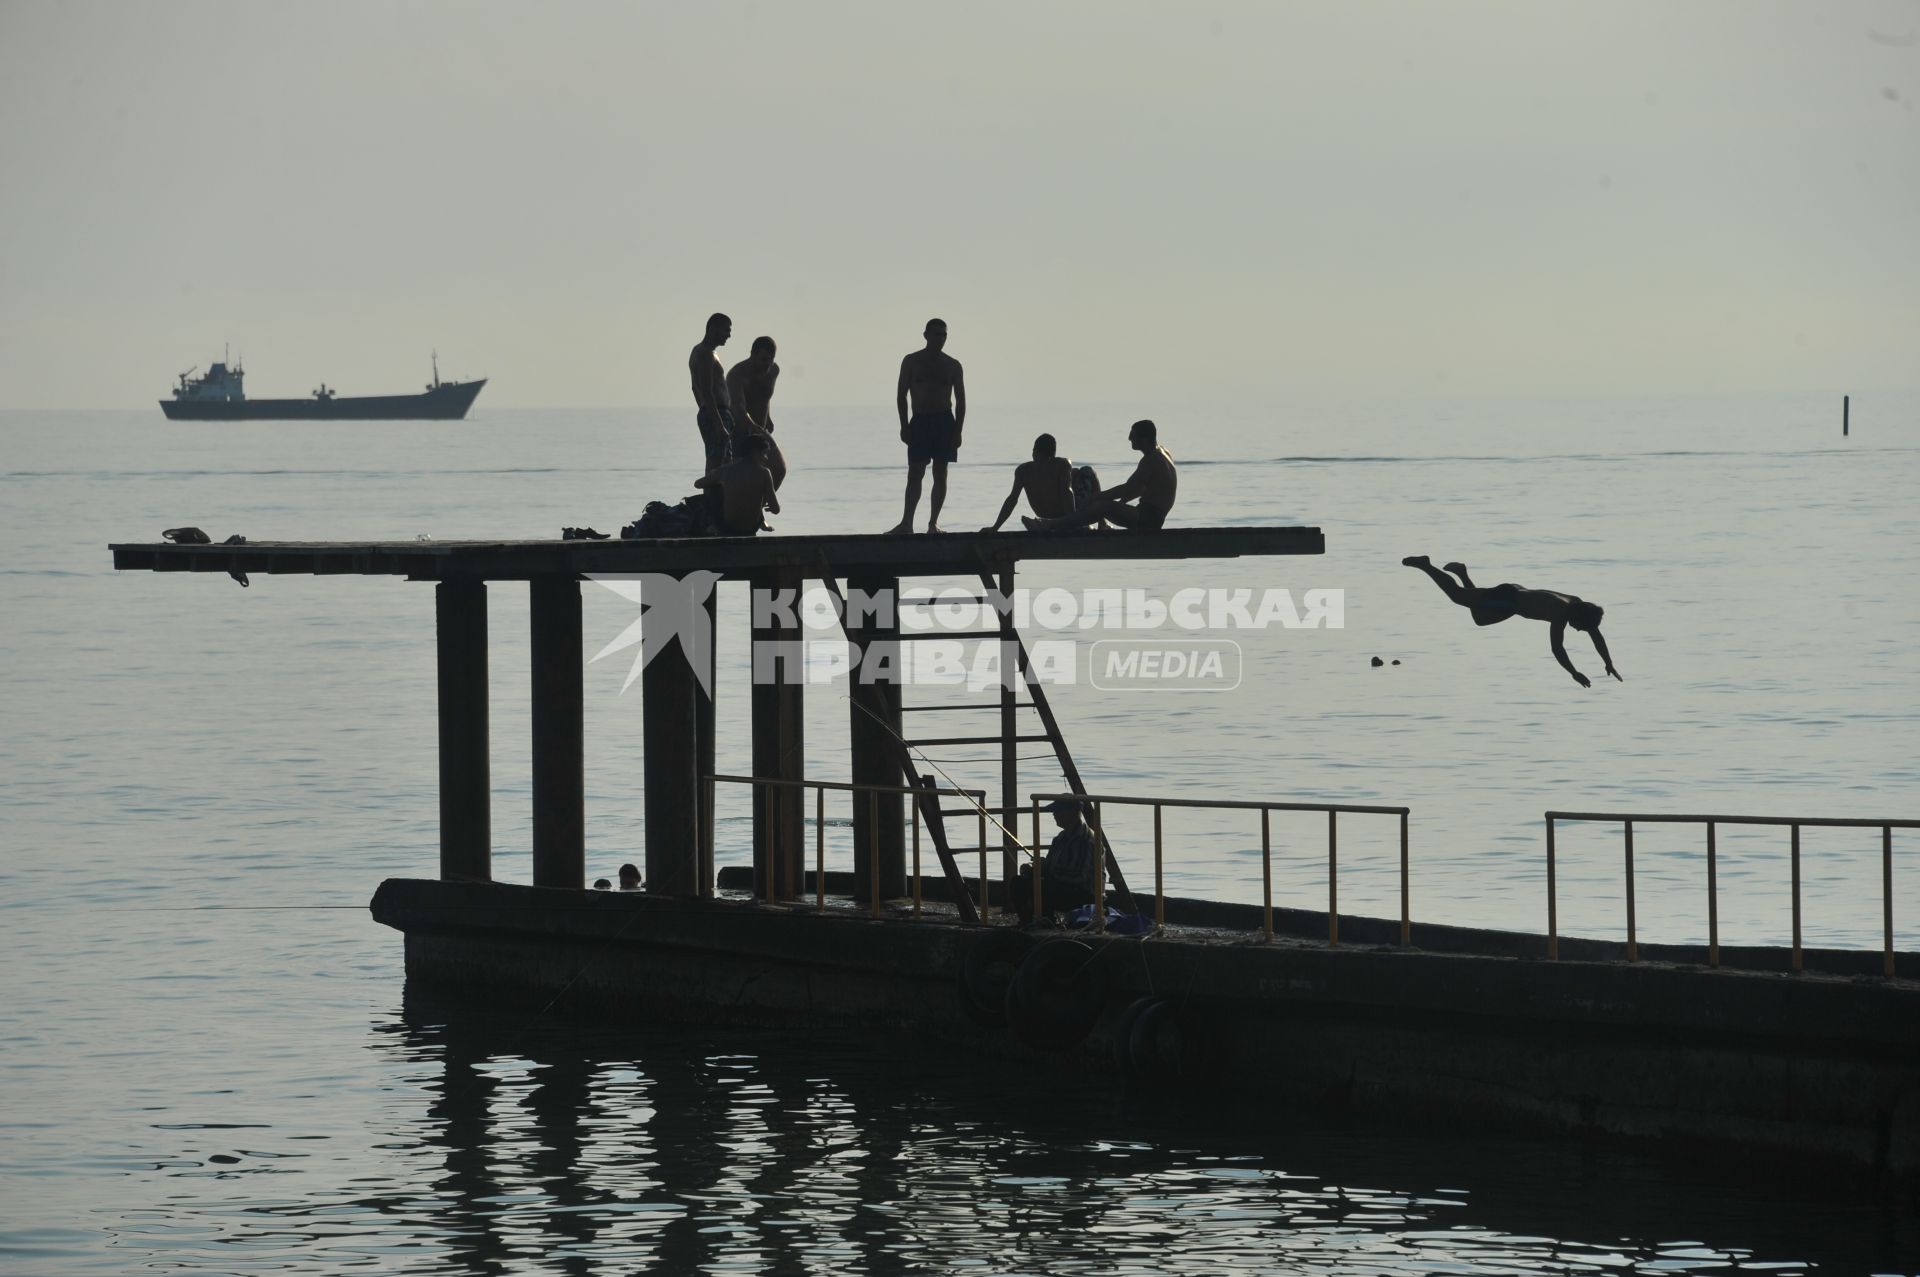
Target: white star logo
[{"x": 671, "y": 609}]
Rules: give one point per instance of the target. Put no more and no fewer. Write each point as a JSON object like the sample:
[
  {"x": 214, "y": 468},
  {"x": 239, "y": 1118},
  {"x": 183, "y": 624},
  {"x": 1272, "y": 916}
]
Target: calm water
[{"x": 208, "y": 1065}]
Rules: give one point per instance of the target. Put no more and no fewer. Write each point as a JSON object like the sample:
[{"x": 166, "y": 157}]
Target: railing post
[
  {"x": 986, "y": 900},
  {"x": 1886, "y": 895},
  {"x": 706, "y": 840},
  {"x": 1266, "y": 868},
  {"x": 1633, "y": 946},
  {"x": 914, "y": 807},
  {"x": 1333, "y": 880},
  {"x": 1159, "y": 888},
  {"x": 1794, "y": 856},
  {"x": 820, "y": 849},
  {"x": 1553, "y": 905},
  {"x": 1099, "y": 874},
  {"x": 1406, "y": 920},
  {"x": 1036, "y": 859},
  {"x": 1713, "y": 900},
  {"x": 873, "y": 853}
]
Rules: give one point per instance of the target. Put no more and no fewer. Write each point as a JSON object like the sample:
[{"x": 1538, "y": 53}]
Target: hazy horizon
[{"x": 1116, "y": 204}]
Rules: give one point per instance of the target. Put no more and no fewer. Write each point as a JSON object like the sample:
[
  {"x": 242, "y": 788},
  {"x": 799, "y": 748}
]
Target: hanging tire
[
  {"x": 1167, "y": 1043},
  {"x": 1123, "y": 1031},
  {"x": 986, "y": 973},
  {"x": 1056, "y": 995}
]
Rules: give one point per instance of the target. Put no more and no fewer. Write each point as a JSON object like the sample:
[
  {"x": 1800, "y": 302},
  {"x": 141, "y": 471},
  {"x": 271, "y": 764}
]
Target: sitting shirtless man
[
  {"x": 1047, "y": 480},
  {"x": 745, "y": 489},
  {"x": 750, "y": 386},
  {"x": 1151, "y": 488},
  {"x": 1490, "y": 606}
]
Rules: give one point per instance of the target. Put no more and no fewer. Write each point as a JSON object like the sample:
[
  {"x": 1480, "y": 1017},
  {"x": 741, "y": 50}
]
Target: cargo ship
[{"x": 221, "y": 395}]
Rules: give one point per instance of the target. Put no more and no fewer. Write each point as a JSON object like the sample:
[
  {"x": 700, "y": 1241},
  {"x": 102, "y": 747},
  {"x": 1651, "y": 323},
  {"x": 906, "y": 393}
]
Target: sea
[{"x": 210, "y": 1063}]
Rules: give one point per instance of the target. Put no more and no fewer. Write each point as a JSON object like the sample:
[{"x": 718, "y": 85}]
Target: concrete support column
[
  {"x": 559, "y": 781},
  {"x": 671, "y": 710},
  {"x": 779, "y": 750},
  {"x": 466, "y": 814},
  {"x": 874, "y": 729}
]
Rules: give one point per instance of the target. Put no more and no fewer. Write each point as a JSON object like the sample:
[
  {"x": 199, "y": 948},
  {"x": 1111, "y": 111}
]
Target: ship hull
[{"x": 446, "y": 403}]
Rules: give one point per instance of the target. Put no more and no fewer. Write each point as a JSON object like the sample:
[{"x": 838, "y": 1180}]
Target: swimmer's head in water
[
  {"x": 1144, "y": 434},
  {"x": 1044, "y": 447},
  {"x": 1582, "y": 615}
]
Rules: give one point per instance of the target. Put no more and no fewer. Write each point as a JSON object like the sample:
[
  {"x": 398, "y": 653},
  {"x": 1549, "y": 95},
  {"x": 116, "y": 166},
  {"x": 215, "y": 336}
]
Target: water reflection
[{"x": 554, "y": 1147}]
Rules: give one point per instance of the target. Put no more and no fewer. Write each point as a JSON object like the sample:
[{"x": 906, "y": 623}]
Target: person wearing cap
[{"x": 1071, "y": 865}]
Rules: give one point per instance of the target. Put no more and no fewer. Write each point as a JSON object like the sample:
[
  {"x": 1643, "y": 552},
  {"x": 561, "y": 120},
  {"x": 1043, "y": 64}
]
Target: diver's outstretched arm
[
  {"x": 1600, "y": 646},
  {"x": 1560, "y": 654}
]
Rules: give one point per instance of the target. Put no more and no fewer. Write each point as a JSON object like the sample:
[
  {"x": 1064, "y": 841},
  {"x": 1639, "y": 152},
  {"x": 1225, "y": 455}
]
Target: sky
[{"x": 1108, "y": 202}]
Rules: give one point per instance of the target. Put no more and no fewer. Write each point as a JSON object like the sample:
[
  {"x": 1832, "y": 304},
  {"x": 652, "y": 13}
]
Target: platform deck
[{"x": 954, "y": 553}]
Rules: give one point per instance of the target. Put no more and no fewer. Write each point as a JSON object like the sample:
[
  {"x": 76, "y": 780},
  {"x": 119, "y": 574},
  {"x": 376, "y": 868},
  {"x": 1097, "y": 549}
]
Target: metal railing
[
  {"x": 975, "y": 798},
  {"x": 1886, "y": 828},
  {"x": 1266, "y": 810}
]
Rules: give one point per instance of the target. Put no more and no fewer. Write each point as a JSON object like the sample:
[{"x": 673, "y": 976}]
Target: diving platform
[{"x": 734, "y": 558}]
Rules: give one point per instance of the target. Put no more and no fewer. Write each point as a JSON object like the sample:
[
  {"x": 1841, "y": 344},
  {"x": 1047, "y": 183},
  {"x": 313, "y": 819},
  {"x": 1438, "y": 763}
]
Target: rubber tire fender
[
  {"x": 987, "y": 970},
  {"x": 1056, "y": 995}
]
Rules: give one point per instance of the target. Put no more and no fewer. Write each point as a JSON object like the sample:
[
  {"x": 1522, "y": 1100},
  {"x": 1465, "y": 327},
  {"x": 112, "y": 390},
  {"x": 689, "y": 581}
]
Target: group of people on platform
[{"x": 745, "y": 466}]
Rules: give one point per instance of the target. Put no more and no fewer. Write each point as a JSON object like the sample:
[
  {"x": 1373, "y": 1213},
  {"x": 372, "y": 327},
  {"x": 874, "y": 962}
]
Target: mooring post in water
[
  {"x": 1846, "y": 414},
  {"x": 559, "y": 785},
  {"x": 466, "y": 822},
  {"x": 873, "y": 725},
  {"x": 779, "y": 685},
  {"x": 672, "y": 747}
]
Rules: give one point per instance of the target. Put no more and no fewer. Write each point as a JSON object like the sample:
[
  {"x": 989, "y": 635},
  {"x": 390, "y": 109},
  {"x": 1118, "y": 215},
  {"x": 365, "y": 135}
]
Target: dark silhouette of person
[
  {"x": 1151, "y": 488},
  {"x": 932, "y": 379},
  {"x": 1070, "y": 867},
  {"x": 629, "y": 878},
  {"x": 750, "y": 388},
  {"x": 746, "y": 489},
  {"x": 1047, "y": 480},
  {"x": 710, "y": 395},
  {"x": 1490, "y": 606}
]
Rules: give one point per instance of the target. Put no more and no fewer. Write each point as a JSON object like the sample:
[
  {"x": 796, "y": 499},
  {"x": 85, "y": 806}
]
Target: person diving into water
[{"x": 1492, "y": 605}]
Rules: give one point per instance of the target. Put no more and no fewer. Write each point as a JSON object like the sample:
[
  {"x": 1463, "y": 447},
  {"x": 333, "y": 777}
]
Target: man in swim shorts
[
  {"x": 1048, "y": 480},
  {"x": 710, "y": 395},
  {"x": 1151, "y": 489},
  {"x": 932, "y": 380},
  {"x": 1490, "y": 606}
]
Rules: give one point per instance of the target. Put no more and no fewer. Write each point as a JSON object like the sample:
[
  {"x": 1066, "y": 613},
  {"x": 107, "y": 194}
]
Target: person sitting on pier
[
  {"x": 1490, "y": 606},
  {"x": 710, "y": 395},
  {"x": 938, "y": 389},
  {"x": 1048, "y": 481},
  {"x": 1070, "y": 867},
  {"x": 1151, "y": 488},
  {"x": 744, "y": 489},
  {"x": 629, "y": 878},
  {"x": 750, "y": 387}
]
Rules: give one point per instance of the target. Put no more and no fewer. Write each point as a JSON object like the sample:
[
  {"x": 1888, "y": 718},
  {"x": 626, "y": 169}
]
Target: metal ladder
[{"x": 1009, "y": 738}]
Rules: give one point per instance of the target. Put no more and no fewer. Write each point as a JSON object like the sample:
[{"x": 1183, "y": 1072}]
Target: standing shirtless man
[
  {"x": 932, "y": 431},
  {"x": 710, "y": 394},
  {"x": 750, "y": 387}
]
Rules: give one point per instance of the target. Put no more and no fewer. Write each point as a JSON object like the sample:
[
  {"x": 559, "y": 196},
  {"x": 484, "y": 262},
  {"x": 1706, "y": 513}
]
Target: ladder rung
[
  {"x": 974, "y": 705},
  {"x": 975, "y": 740},
  {"x": 909, "y": 636}
]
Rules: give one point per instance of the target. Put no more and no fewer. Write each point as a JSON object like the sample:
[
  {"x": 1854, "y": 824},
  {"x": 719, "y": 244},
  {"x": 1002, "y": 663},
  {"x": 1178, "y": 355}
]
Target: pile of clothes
[{"x": 695, "y": 516}]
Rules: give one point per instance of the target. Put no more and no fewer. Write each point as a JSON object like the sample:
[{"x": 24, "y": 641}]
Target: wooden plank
[{"x": 734, "y": 557}]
